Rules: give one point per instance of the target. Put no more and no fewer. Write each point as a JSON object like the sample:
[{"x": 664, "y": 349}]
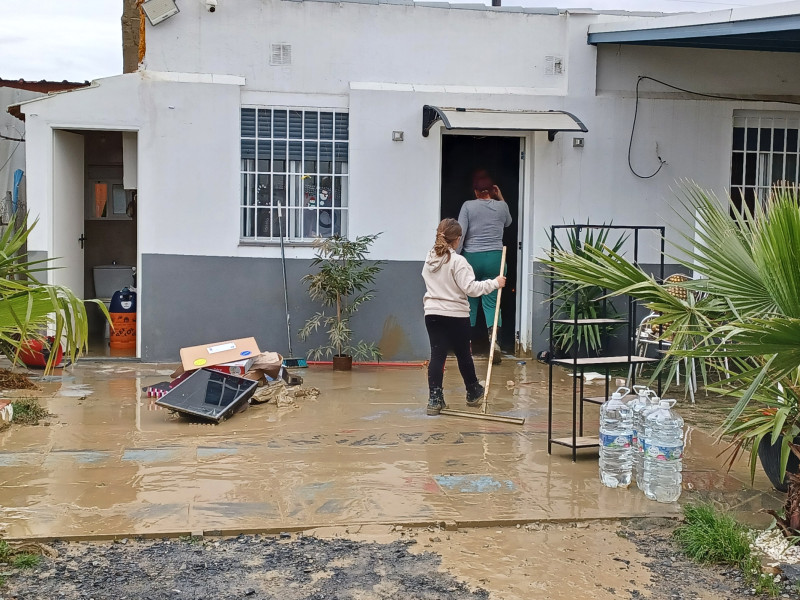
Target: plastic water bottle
[
  {"x": 663, "y": 453},
  {"x": 616, "y": 434},
  {"x": 640, "y": 401},
  {"x": 652, "y": 404}
]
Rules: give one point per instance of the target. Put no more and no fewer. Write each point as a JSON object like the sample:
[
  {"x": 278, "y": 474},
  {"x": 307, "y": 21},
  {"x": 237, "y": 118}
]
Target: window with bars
[
  {"x": 294, "y": 174},
  {"x": 765, "y": 152}
]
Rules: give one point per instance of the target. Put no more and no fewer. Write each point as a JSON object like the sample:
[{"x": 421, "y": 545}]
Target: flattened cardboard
[{"x": 217, "y": 353}]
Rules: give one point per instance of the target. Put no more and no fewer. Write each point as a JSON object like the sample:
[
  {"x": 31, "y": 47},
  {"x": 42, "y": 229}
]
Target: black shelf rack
[{"x": 577, "y": 439}]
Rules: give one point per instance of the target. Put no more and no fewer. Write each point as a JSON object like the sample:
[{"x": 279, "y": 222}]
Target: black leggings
[{"x": 445, "y": 334}]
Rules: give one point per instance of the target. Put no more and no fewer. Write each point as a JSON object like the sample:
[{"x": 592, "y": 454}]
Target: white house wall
[
  {"x": 383, "y": 62},
  {"x": 334, "y": 43}
]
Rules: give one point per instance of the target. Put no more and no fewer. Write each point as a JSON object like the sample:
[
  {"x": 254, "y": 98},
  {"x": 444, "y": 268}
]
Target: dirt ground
[{"x": 633, "y": 559}]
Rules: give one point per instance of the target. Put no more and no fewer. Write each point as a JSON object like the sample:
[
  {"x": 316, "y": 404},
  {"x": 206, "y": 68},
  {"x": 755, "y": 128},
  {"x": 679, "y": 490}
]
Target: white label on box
[{"x": 221, "y": 348}]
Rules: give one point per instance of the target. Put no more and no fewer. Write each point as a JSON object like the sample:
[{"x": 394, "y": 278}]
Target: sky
[{"x": 80, "y": 40}]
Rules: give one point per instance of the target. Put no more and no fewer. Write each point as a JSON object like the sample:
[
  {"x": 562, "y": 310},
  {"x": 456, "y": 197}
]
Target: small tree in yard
[{"x": 342, "y": 283}]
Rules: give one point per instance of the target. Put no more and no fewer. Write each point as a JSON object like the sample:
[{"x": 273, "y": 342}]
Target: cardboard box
[{"x": 217, "y": 353}]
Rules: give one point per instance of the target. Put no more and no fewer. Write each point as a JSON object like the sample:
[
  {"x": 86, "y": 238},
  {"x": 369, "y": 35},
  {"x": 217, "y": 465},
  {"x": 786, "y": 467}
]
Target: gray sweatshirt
[
  {"x": 482, "y": 223},
  {"x": 449, "y": 283}
]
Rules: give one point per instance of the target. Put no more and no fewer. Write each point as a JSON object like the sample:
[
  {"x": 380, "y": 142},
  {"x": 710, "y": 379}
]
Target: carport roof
[{"x": 773, "y": 28}]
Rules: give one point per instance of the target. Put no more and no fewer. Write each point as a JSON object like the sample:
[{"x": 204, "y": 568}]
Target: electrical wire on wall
[
  {"x": 11, "y": 155},
  {"x": 661, "y": 161}
]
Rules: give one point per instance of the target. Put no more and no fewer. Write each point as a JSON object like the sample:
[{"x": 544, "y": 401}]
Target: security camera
[{"x": 211, "y": 5}]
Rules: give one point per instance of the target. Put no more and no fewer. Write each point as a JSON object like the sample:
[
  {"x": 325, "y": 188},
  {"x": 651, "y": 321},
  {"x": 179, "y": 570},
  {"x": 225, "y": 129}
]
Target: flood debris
[
  {"x": 218, "y": 380},
  {"x": 9, "y": 380},
  {"x": 28, "y": 411}
]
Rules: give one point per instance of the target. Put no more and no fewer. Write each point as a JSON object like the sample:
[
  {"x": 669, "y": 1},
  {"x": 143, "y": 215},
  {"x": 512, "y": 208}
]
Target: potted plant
[
  {"x": 342, "y": 283},
  {"x": 574, "y": 300},
  {"x": 29, "y": 308},
  {"x": 741, "y": 316}
]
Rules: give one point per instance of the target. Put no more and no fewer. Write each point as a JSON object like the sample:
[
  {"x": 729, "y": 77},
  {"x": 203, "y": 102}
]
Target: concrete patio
[{"x": 112, "y": 464}]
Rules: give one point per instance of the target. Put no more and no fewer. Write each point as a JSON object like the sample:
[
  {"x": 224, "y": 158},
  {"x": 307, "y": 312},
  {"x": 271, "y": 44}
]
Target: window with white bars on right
[{"x": 765, "y": 152}]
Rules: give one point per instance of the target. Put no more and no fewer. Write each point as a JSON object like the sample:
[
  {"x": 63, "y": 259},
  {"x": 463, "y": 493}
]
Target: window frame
[
  {"x": 762, "y": 142},
  {"x": 304, "y": 143}
]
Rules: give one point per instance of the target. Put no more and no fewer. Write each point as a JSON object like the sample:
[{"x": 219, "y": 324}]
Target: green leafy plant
[
  {"x": 26, "y": 561},
  {"x": 5, "y": 551},
  {"x": 29, "y": 308},
  {"x": 28, "y": 411},
  {"x": 574, "y": 300},
  {"x": 741, "y": 317},
  {"x": 711, "y": 537},
  {"x": 342, "y": 283}
]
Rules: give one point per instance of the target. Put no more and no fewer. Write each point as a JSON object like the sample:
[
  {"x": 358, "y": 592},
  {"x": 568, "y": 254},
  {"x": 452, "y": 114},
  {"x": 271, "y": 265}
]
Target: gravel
[
  {"x": 257, "y": 567},
  {"x": 676, "y": 577},
  {"x": 293, "y": 567}
]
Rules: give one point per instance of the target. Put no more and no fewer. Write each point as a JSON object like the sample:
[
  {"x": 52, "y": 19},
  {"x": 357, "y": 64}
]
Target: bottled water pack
[{"x": 616, "y": 436}]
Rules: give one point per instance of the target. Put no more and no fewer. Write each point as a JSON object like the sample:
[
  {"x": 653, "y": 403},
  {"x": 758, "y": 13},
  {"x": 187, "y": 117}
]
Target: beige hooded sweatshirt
[{"x": 449, "y": 283}]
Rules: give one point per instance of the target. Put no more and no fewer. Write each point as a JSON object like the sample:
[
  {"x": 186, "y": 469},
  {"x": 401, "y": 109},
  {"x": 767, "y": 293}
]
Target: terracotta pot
[
  {"x": 342, "y": 362},
  {"x": 770, "y": 457}
]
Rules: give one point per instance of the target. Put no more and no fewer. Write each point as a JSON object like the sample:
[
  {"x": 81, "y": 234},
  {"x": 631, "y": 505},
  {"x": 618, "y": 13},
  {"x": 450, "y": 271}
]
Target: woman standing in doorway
[{"x": 482, "y": 223}]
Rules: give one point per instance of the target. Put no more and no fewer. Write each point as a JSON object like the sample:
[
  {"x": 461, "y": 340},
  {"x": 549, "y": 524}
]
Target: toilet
[{"x": 109, "y": 279}]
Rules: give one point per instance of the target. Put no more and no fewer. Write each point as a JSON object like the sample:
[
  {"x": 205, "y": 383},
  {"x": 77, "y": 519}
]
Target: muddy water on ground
[
  {"x": 112, "y": 462},
  {"x": 554, "y": 562}
]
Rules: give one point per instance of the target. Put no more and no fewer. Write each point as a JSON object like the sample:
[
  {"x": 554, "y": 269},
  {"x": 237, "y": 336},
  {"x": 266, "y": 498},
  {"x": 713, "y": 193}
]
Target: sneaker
[
  {"x": 436, "y": 402},
  {"x": 475, "y": 394},
  {"x": 497, "y": 357}
]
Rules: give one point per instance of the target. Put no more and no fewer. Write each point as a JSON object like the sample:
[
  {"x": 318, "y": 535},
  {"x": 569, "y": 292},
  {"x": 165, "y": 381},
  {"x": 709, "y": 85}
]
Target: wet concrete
[{"x": 111, "y": 463}]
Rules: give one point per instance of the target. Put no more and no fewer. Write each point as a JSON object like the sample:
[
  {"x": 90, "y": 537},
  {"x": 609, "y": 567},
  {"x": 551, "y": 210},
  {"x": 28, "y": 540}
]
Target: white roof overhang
[{"x": 480, "y": 119}]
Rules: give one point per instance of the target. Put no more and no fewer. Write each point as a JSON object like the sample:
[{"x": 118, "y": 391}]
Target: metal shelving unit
[{"x": 577, "y": 439}]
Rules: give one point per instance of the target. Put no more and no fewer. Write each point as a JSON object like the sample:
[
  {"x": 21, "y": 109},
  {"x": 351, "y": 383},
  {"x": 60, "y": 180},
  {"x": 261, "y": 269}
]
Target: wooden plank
[
  {"x": 591, "y": 321},
  {"x": 602, "y": 399},
  {"x": 580, "y": 442}
]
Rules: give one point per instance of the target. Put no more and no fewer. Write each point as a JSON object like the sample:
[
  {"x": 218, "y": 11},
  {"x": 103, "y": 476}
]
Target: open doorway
[
  {"x": 95, "y": 235},
  {"x": 462, "y": 155}
]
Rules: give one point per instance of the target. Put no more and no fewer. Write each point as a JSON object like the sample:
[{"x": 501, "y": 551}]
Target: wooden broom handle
[{"x": 494, "y": 335}]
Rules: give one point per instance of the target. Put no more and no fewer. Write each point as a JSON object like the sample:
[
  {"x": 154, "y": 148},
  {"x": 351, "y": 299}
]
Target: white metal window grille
[
  {"x": 296, "y": 161},
  {"x": 765, "y": 152}
]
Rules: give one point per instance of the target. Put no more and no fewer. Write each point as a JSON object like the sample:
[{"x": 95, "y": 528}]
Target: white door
[{"x": 68, "y": 200}]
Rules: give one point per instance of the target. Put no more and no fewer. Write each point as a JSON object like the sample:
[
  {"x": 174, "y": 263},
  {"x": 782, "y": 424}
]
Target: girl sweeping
[{"x": 449, "y": 279}]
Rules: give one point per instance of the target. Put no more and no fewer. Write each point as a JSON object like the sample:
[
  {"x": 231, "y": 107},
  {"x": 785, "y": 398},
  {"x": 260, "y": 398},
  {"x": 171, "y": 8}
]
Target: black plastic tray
[{"x": 209, "y": 395}]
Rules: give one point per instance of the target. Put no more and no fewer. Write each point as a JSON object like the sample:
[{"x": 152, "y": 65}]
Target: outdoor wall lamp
[
  {"x": 397, "y": 136},
  {"x": 159, "y": 10}
]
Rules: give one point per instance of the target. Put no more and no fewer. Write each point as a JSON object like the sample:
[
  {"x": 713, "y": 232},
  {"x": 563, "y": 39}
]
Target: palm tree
[
  {"x": 743, "y": 305},
  {"x": 30, "y": 309}
]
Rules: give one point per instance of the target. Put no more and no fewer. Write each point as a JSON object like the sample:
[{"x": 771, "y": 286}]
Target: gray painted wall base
[{"x": 192, "y": 300}]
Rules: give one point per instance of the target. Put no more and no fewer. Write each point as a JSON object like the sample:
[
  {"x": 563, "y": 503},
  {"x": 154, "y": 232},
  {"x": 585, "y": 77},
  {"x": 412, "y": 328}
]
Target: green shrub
[
  {"x": 710, "y": 537},
  {"x": 28, "y": 411},
  {"x": 26, "y": 561}
]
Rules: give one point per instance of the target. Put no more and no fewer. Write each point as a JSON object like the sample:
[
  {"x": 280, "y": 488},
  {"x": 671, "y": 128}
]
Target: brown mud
[{"x": 345, "y": 468}]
